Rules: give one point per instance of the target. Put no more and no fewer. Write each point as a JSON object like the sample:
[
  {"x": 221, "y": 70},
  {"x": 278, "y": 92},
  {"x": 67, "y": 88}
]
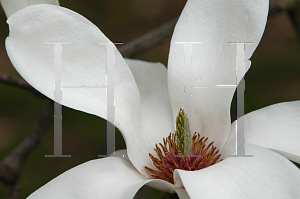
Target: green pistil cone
[{"x": 183, "y": 133}]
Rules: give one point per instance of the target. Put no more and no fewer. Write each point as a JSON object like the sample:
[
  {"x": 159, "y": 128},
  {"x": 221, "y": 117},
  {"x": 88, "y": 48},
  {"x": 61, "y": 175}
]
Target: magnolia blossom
[{"x": 148, "y": 97}]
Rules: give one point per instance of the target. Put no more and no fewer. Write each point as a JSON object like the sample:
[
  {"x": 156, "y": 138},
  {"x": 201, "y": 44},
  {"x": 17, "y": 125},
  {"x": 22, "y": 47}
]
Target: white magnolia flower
[{"x": 148, "y": 98}]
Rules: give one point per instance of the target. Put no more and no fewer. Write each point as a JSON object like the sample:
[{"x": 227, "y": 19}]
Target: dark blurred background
[{"x": 274, "y": 77}]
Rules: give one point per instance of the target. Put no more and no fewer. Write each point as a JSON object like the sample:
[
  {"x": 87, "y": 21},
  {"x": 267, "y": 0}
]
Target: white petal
[
  {"x": 121, "y": 154},
  {"x": 110, "y": 177},
  {"x": 214, "y": 24},
  {"x": 276, "y": 127},
  {"x": 265, "y": 175},
  {"x": 12, "y": 6},
  {"x": 83, "y": 63},
  {"x": 156, "y": 111}
]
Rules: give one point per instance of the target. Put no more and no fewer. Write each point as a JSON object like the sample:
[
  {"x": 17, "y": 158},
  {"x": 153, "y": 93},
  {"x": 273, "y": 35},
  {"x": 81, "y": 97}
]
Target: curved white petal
[
  {"x": 156, "y": 111},
  {"x": 12, "y": 6},
  {"x": 276, "y": 127},
  {"x": 265, "y": 175},
  {"x": 214, "y": 24},
  {"x": 110, "y": 177},
  {"x": 83, "y": 64}
]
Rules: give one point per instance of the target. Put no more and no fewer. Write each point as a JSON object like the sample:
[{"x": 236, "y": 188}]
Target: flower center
[{"x": 178, "y": 151}]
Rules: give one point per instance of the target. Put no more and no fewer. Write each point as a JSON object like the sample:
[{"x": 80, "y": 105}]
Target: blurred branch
[
  {"x": 14, "y": 193},
  {"x": 148, "y": 40},
  {"x": 155, "y": 37},
  {"x": 20, "y": 83},
  {"x": 294, "y": 14},
  {"x": 15, "y": 81},
  {"x": 277, "y": 6},
  {"x": 11, "y": 166}
]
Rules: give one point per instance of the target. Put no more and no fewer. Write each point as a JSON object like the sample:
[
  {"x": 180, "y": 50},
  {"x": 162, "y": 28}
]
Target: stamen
[{"x": 171, "y": 157}]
